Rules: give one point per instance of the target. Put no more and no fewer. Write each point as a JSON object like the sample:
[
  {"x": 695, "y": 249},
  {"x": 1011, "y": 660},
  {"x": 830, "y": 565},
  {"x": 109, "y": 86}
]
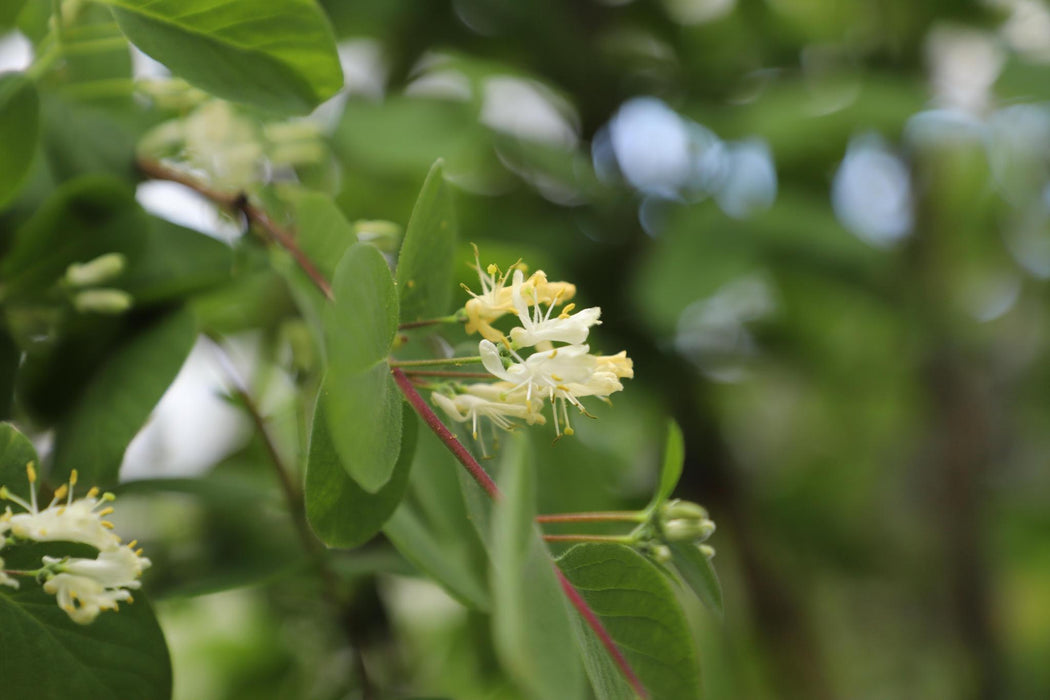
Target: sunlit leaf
[{"x": 275, "y": 54}]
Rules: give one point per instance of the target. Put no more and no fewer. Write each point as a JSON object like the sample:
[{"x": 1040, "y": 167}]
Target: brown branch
[{"x": 272, "y": 232}]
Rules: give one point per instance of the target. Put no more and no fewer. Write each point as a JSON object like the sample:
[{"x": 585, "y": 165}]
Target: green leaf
[
  {"x": 362, "y": 403},
  {"x": 46, "y": 655},
  {"x": 322, "y": 232},
  {"x": 425, "y": 265},
  {"x": 275, "y": 54},
  {"x": 85, "y": 139},
  {"x": 19, "y": 128},
  {"x": 697, "y": 571},
  {"x": 639, "y": 610},
  {"x": 117, "y": 401},
  {"x": 9, "y": 13},
  {"x": 10, "y": 356},
  {"x": 15, "y": 453},
  {"x": 671, "y": 471},
  {"x": 341, "y": 512},
  {"x": 431, "y": 527},
  {"x": 532, "y": 628}
]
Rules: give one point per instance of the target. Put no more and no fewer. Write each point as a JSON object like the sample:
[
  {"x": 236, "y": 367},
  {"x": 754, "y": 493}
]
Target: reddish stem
[
  {"x": 585, "y": 538},
  {"x": 597, "y": 517},
  {"x": 599, "y": 629},
  {"x": 239, "y": 203},
  {"x": 444, "y": 434},
  {"x": 459, "y": 375}
]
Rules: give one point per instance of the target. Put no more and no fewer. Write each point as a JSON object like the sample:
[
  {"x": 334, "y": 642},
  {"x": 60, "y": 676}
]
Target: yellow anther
[
  {"x": 569, "y": 431},
  {"x": 109, "y": 496},
  {"x": 61, "y": 510},
  {"x": 556, "y": 377},
  {"x": 61, "y": 491},
  {"x": 73, "y": 478},
  {"x": 106, "y": 511},
  {"x": 92, "y": 492},
  {"x": 31, "y": 473},
  {"x": 4, "y": 493},
  {"x": 565, "y": 312},
  {"x": 106, "y": 524},
  {"x": 138, "y": 552},
  {"x": 130, "y": 599},
  {"x": 554, "y": 353},
  {"x": 131, "y": 545},
  {"x": 492, "y": 269}
]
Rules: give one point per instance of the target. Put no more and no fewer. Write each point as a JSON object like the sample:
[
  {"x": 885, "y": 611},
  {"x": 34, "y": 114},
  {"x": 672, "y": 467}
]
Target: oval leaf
[
  {"x": 117, "y": 401},
  {"x": 19, "y": 128},
  {"x": 532, "y": 627},
  {"x": 641, "y": 613},
  {"x": 46, "y": 655},
  {"x": 275, "y": 54},
  {"x": 425, "y": 265},
  {"x": 341, "y": 512},
  {"x": 697, "y": 571},
  {"x": 362, "y": 404}
]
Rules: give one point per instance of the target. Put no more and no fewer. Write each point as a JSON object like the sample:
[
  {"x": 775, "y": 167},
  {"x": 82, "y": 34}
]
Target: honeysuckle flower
[
  {"x": 82, "y": 597},
  {"x": 83, "y": 587},
  {"x": 538, "y": 327},
  {"x": 497, "y": 402},
  {"x": 497, "y": 299},
  {"x": 64, "y": 519},
  {"x": 115, "y": 568}
]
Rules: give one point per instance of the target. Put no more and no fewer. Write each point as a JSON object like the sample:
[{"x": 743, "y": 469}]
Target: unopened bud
[
  {"x": 682, "y": 530},
  {"x": 101, "y": 269},
  {"x": 102, "y": 301},
  {"x": 385, "y": 235},
  {"x": 661, "y": 553},
  {"x": 708, "y": 551},
  {"x": 683, "y": 509}
]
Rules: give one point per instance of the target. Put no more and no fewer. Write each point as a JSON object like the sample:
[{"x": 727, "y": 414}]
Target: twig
[
  {"x": 296, "y": 505},
  {"x": 455, "y": 375},
  {"x": 238, "y": 202},
  {"x": 617, "y": 539},
  {"x": 438, "y": 361},
  {"x": 631, "y": 516}
]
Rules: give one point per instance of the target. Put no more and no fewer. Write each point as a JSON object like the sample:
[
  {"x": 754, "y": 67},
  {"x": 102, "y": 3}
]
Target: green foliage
[
  {"x": 15, "y": 453},
  {"x": 640, "y": 611},
  {"x": 341, "y": 512},
  {"x": 19, "y": 127},
  {"x": 531, "y": 624},
  {"x": 425, "y": 264},
  {"x": 117, "y": 401},
  {"x": 696, "y": 569},
  {"x": 47, "y": 655},
  {"x": 671, "y": 470},
  {"x": 275, "y": 54}
]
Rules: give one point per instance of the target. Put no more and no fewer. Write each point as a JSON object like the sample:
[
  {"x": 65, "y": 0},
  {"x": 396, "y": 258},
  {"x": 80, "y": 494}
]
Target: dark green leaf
[
  {"x": 10, "y": 355},
  {"x": 19, "y": 126},
  {"x": 424, "y": 268},
  {"x": 531, "y": 621},
  {"x": 362, "y": 404},
  {"x": 322, "y": 232},
  {"x": 85, "y": 139},
  {"x": 118, "y": 399},
  {"x": 46, "y": 655},
  {"x": 15, "y": 453},
  {"x": 9, "y": 13},
  {"x": 638, "y": 608},
  {"x": 698, "y": 572},
  {"x": 671, "y": 471},
  {"x": 341, "y": 512},
  {"x": 276, "y": 54}
]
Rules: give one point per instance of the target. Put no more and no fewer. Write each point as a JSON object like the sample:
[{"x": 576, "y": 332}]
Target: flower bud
[
  {"x": 102, "y": 301},
  {"x": 661, "y": 553},
  {"x": 683, "y": 509},
  {"x": 708, "y": 551},
  {"x": 682, "y": 530},
  {"x": 101, "y": 269}
]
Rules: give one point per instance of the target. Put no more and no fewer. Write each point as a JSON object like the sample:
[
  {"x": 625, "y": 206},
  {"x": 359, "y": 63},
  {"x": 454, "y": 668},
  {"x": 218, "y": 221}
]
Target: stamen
[{"x": 92, "y": 492}]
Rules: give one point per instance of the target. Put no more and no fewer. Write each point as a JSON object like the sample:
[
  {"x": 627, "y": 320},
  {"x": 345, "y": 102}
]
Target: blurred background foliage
[{"x": 822, "y": 231}]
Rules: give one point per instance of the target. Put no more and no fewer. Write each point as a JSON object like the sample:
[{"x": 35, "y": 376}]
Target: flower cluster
[
  {"x": 83, "y": 587},
  {"x": 545, "y": 358}
]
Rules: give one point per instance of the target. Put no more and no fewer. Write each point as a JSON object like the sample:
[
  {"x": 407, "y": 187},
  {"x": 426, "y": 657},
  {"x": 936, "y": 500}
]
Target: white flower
[
  {"x": 498, "y": 402},
  {"x": 537, "y": 327},
  {"x": 115, "y": 568},
  {"x": 83, "y": 597},
  {"x": 66, "y": 520},
  {"x": 497, "y": 299}
]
